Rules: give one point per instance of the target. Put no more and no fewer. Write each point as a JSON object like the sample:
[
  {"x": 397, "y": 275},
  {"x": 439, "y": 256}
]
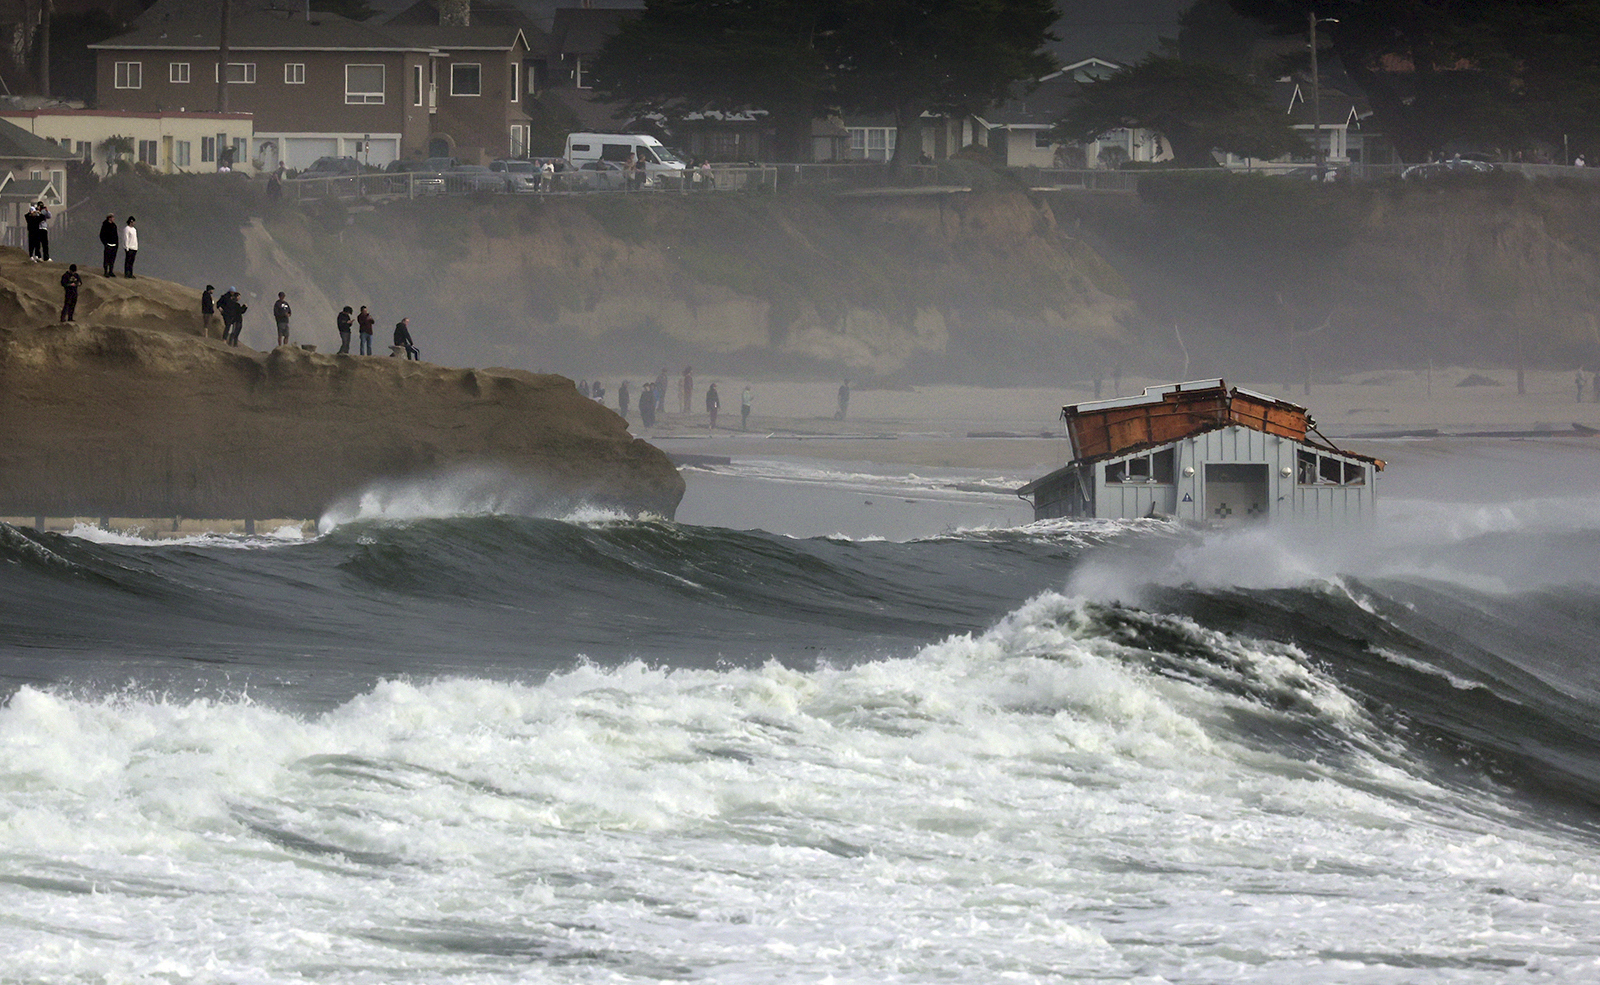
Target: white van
[{"x": 661, "y": 163}]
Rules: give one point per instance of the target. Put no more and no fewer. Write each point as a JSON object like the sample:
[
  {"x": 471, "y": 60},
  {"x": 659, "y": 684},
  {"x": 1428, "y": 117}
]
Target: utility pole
[
  {"x": 222, "y": 64},
  {"x": 1316, "y": 92},
  {"x": 44, "y": 49}
]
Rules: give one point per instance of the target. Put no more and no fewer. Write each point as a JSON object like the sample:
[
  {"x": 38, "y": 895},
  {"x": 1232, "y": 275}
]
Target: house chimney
[{"x": 455, "y": 13}]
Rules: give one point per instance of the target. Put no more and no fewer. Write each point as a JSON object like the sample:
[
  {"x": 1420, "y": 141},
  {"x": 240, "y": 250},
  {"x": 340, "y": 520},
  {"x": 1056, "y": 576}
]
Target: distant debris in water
[{"x": 1478, "y": 379}]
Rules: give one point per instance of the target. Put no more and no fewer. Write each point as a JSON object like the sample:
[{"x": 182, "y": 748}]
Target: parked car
[
  {"x": 519, "y": 175},
  {"x": 331, "y": 167},
  {"x": 1439, "y": 169},
  {"x": 474, "y": 178},
  {"x": 416, "y": 176},
  {"x": 600, "y": 176}
]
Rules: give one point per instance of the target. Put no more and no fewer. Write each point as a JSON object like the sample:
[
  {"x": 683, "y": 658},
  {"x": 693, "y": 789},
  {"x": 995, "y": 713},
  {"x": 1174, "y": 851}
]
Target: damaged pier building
[{"x": 1202, "y": 452}]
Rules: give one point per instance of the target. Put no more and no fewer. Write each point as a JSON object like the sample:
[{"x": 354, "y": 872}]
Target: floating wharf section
[{"x": 1204, "y": 452}]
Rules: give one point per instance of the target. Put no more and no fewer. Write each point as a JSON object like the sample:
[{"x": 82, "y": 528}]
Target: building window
[
  {"x": 1325, "y": 470},
  {"x": 1041, "y": 139},
  {"x": 238, "y": 149},
  {"x": 147, "y": 152},
  {"x": 1152, "y": 467},
  {"x": 208, "y": 149},
  {"x": 178, "y": 72},
  {"x": 180, "y": 153},
  {"x": 363, "y": 83},
  {"x": 521, "y": 136},
  {"x": 85, "y": 151},
  {"x": 129, "y": 75},
  {"x": 516, "y": 81},
  {"x": 294, "y": 73},
  {"x": 416, "y": 85},
  {"x": 466, "y": 80},
  {"x": 241, "y": 73},
  {"x": 872, "y": 143}
]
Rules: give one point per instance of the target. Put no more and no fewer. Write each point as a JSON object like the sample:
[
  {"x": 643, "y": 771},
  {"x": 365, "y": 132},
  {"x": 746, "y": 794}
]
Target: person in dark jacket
[
  {"x": 344, "y": 321},
  {"x": 70, "y": 282},
  {"x": 364, "y": 322},
  {"x": 44, "y": 232},
  {"x": 713, "y": 404},
  {"x": 280, "y": 314},
  {"x": 402, "y": 339},
  {"x": 233, "y": 310},
  {"x": 109, "y": 240},
  {"x": 208, "y": 304},
  {"x": 33, "y": 219}
]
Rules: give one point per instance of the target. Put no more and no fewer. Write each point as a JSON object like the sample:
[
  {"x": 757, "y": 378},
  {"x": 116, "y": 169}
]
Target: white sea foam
[
  {"x": 1024, "y": 804},
  {"x": 139, "y": 537},
  {"x": 458, "y": 493}
]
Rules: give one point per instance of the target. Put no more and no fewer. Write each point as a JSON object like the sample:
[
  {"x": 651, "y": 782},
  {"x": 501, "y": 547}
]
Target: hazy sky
[{"x": 1123, "y": 30}]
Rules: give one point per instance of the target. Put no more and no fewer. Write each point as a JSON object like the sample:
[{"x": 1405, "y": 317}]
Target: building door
[{"x": 1236, "y": 492}]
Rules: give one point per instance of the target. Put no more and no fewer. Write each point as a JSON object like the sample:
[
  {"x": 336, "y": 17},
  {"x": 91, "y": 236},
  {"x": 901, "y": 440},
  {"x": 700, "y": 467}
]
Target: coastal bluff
[{"x": 131, "y": 411}]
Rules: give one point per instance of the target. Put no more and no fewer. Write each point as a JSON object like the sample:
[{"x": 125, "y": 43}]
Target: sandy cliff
[{"x": 130, "y": 412}]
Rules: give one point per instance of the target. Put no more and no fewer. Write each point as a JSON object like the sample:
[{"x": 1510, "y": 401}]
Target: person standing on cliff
[
  {"x": 233, "y": 310},
  {"x": 345, "y": 319},
  {"x": 32, "y": 219},
  {"x": 402, "y": 339},
  {"x": 108, "y": 241},
  {"x": 745, "y": 400},
  {"x": 647, "y": 404},
  {"x": 130, "y": 247},
  {"x": 44, "y": 232},
  {"x": 208, "y": 307},
  {"x": 280, "y": 314},
  {"x": 70, "y": 282},
  {"x": 364, "y": 321},
  {"x": 713, "y": 404}
]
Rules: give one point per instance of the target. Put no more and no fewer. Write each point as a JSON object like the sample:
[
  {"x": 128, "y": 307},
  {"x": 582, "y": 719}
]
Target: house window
[
  {"x": 1041, "y": 139},
  {"x": 147, "y": 152},
  {"x": 416, "y": 85},
  {"x": 85, "y": 151},
  {"x": 1156, "y": 466},
  {"x": 1325, "y": 470},
  {"x": 466, "y": 79},
  {"x": 241, "y": 73},
  {"x": 178, "y": 72},
  {"x": 180, "y": 153},
  {"x": 208, "y": 149},
  {"x": 294, "y": 73},
  {"x": 129, "y": 75},
  {"x": 516, "y": 81},
  {"x": 521, "y": 136},
  {"x": 363, "y": 83},
  {"x": 238, "y": 149},
  {"x": 872, "y": 143}
]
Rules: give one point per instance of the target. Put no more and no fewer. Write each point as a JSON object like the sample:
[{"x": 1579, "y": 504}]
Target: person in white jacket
[{"x": 130, "y": 247}]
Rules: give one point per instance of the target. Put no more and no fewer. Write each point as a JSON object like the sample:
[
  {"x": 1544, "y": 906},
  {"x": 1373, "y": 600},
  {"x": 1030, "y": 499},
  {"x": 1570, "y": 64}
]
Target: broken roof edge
[{"x": 1146, "y": 447}]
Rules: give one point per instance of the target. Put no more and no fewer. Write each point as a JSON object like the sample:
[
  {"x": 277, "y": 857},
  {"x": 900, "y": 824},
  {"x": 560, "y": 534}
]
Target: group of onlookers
[
  {"x": 653, "y": 398},
  {"x": 231, "y": 308}
]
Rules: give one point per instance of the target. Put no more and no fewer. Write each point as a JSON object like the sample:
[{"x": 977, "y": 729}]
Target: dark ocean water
[{"x": 495, "y": 748}]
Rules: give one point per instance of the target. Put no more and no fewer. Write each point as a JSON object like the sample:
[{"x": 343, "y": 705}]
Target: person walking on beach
[
  {"x": 345, "y": 319},
  {"x": 70, "y": 282},
  {"x": 364, "y": 322},
  {"x": 108, "y": 242},
  {"x": 647, "y": 404},
  {"x": 32, "y": 220},
  {"x": 130, "y": 247},
  {"x": 280, "y": 314},
  {"x": 745, "y": 400},
  {"x": 622, "y": 399},
  {"x": 402, "y": 339},
  {"x": 44, "y": 233},
  {"x": 208, "y": 304},
  {"x": 659, "y": 391},
  {"x": 713, "y": 404},
  {"x": 844, "y": 401},
  {"x": 686, "y": 391}
]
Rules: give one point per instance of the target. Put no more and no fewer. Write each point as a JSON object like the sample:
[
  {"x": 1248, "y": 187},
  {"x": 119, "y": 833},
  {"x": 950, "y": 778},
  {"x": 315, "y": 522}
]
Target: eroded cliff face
[
  {"x": 863, "y": 286},
  {"x": 112, "y": 416}
]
